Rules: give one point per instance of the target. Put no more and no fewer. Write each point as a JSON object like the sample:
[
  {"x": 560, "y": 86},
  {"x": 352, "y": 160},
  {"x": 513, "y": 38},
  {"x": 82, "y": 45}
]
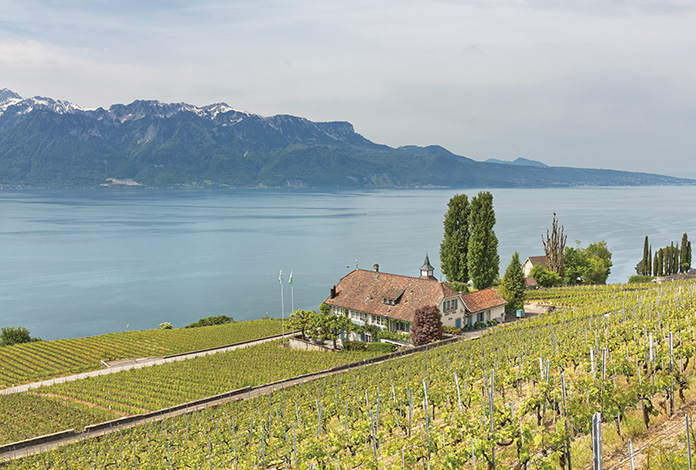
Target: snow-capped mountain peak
[{"x": 11, "y": 101}]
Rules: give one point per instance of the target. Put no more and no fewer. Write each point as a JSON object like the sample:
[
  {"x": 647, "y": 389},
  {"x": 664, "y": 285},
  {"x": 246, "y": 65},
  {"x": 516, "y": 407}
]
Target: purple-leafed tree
[{"x": 427, "y": 325}]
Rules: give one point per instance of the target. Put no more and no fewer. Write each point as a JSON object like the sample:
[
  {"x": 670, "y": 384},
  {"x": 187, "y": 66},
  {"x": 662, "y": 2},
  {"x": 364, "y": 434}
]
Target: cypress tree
[
  {"x": 655, "y": 266},
  {"x": 649, "y": 270},
  {"x": 684, "y": 255},
  {"x": 455, "y": 244},
  {"x": 514, "y": 285},
  {"x": 661, "y": 262},
  {"x": 646, "y": 258},
  {"x": 483, "y": 259},
  {"x": 688, "y": 257}
]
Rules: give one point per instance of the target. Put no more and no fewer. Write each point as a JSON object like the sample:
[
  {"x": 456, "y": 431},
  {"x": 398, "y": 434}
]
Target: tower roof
[{"x": 426, "y": 264}]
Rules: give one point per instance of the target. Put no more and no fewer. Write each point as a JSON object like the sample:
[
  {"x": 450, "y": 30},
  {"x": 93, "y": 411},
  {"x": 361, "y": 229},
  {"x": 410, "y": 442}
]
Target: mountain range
[{"x": 53, "y": 143}]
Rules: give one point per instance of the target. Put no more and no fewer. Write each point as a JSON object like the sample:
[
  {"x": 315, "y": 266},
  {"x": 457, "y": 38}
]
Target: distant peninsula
[{"x": 52, "y": 143}]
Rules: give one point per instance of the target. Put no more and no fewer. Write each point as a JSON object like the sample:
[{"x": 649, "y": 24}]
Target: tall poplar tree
[
  {"x": 483, "y": 259},
  {"x": 455, "y": 244}
]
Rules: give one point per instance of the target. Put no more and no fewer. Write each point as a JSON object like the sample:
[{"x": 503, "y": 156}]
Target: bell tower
[{"x": 426, "y": 271}]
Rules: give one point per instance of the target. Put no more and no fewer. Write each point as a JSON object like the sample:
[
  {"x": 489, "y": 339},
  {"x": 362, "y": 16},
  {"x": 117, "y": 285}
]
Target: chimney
[
  {"x": 376, "y": 267},
  {"x": 333, "y": 292}
]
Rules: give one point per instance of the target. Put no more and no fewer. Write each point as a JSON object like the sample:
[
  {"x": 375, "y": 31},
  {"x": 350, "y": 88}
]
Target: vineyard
[
  {"x": 153, "y": 388},
  {"x": 30, "y": 362},
  {"x": 522, "y": 395}
]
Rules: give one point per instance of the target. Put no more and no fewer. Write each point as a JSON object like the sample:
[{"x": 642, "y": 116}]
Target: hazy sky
[{"x": 593, "y": 83}]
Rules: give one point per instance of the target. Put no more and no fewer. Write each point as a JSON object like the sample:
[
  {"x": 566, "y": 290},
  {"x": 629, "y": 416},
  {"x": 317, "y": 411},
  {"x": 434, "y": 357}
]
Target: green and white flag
[
  {"x": 280, "y": 277},
  {"x": 290, "y": 280}
]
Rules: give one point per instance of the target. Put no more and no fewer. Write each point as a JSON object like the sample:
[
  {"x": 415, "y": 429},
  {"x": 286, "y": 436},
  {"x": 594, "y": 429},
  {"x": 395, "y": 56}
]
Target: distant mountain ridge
[
  {"x": 519, "y": 161},
  {"x": 53, "y": 143}
]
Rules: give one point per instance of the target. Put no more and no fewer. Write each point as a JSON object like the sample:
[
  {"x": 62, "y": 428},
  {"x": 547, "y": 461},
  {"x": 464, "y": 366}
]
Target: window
[
  {"x": 449, "y": 305},
  {"x": 470, "y": 320},
  {"x": 488, "y": 315}
]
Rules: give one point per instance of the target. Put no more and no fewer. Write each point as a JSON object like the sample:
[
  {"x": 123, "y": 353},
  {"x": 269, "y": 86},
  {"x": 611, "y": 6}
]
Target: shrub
[
  {"x": 354, "y": 345},
  {"x": 394, "y": 336},
  {"x": 209, "y": 321},
  {"x": 451, "y": 330},
  {"x": 17, "y": 335},
  {"x": 382, "y": 348},
  {"x": 427, "y": 325},
  {"x": 637, "y": 279},
  {"x": 165, "y": 326}
]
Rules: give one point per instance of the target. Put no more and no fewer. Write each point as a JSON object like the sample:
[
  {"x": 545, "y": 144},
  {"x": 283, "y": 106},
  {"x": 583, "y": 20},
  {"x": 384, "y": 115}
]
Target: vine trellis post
[{"x": 597, "y": 441}]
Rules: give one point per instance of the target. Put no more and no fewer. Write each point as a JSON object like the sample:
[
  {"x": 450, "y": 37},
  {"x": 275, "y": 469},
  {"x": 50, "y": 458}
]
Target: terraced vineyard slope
[
  {"x": 32, "y": 362},
  {"x": 521, "y": 396}
]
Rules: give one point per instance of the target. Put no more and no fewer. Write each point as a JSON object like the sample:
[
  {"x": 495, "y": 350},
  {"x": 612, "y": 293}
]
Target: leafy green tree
[
  {"x": 600, "y": 263},
  {"x": 513, "y": 283},
  {"x": 684, "y": 254},
  {"x": 329, "y": 327},
  {"x": 165, "y": 326},
  {"x": 455, "y": 244},
  {"x": 483, "y": 259},
  {"x": 576, "y": 265},
  {"x": 544, "y": 277},
  {"x": 590, "y": 265},
  {"x": 427, "y": 325},
  {"x": 301, "y": 320},
  {"x": 17, "y": 335}
]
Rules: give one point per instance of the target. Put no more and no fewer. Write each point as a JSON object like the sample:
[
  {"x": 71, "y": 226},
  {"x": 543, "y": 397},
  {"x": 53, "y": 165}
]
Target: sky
[{"x": 582, "y": 83}]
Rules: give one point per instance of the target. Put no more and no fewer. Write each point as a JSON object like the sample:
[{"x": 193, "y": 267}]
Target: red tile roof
[
  {"x": 482, "y": 300},
  {"x": 365, "y": 291}
]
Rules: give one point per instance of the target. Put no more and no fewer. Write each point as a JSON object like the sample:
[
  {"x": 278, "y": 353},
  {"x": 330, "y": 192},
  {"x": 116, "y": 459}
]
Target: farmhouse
[
  {"x": 527, "y": 266},
  {"x": 390, "y": 300}
]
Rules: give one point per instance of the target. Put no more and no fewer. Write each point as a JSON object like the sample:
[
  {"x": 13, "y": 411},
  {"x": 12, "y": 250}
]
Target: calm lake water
[{"x": 76, "y": 263}]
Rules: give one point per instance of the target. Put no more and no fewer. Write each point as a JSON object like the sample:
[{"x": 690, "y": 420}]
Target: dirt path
[{"x": 82, "y": 402}]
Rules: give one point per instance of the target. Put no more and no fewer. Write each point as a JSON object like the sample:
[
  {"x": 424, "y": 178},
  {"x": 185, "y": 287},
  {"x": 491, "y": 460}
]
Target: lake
[{"x": 86, "y": 262}]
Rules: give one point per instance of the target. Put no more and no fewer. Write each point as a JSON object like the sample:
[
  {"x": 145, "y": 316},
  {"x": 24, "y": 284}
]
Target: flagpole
[
  {"x": 282, "y": 304},
  {"x": 292, "y": 293}
]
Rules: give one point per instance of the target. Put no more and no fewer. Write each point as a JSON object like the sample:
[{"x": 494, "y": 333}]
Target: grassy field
[{"x": 32, "y": 362}]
